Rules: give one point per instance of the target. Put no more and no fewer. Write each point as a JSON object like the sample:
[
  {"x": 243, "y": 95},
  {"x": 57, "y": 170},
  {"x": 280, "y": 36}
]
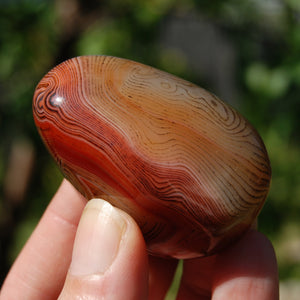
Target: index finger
[{"x": 41, "y": 267}]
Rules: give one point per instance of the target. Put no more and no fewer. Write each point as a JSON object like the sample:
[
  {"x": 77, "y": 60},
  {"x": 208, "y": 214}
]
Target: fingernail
[{"x": 97, "y": 239}]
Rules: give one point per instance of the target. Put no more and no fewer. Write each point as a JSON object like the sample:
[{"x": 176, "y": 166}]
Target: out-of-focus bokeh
[{"x": 246, "y": 52}]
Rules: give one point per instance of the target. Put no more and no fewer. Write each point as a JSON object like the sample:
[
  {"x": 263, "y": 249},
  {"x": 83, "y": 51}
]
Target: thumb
[{"x": 109, "y": 259}]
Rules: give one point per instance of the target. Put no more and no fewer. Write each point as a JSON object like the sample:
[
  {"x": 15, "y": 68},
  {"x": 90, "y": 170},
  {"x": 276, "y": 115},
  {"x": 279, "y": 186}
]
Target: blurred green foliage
[{"x": 36, "y": 35}]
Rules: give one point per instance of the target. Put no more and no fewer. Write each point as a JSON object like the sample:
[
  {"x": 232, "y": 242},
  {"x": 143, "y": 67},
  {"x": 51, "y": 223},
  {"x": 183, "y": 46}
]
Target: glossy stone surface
[{"x": 190, "y": 169}]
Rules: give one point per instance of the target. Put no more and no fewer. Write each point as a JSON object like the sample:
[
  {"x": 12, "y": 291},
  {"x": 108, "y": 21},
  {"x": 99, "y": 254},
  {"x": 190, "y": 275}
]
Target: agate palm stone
[{"x": 190, "y": 170}]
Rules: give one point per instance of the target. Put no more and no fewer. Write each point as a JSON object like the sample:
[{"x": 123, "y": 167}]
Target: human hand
[{"x": 109, "y": 260}]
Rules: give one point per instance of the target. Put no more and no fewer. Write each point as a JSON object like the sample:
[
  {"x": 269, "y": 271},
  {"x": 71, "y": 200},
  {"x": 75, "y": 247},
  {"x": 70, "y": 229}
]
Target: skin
[{"x": 45, "y": 268}]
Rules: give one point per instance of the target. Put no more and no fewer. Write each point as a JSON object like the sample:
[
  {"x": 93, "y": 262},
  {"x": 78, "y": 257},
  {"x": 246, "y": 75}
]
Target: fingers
[
  {"x": 109, "y": 260},
  {"x": 120, "y": 269},
  {"x": 109, "y": 257},
  {"x": 247, "y": 270},
  {"x": 41, "y": 267}
]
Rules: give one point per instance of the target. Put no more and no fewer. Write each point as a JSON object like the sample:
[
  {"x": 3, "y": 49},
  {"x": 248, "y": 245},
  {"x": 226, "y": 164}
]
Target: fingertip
[
  {"x": 109, "y": 256},
  {"x": 253, "y": 253},
  {"x": 247, "y": 270}
]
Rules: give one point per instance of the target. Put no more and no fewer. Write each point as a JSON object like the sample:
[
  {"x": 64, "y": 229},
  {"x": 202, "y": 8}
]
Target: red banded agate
[{"x": 187, "y": 167}]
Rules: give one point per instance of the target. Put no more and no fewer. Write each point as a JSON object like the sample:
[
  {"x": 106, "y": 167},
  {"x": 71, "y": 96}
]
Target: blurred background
[{"x": 246, "y": 52}]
